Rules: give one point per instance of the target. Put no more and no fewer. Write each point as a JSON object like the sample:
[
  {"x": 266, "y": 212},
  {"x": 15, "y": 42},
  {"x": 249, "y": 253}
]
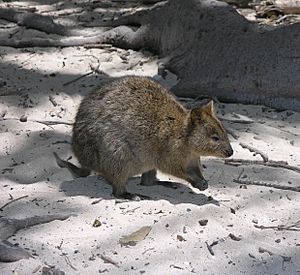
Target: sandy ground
[{"x": 176, "y": 243}]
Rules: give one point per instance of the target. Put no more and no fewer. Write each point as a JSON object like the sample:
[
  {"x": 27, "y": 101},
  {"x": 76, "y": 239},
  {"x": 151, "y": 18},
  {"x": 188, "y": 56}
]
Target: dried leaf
[
  {"x": 180, "y": 238},
  {"x": 96, "y": 223},
  {"x": 136, "y": 236}
]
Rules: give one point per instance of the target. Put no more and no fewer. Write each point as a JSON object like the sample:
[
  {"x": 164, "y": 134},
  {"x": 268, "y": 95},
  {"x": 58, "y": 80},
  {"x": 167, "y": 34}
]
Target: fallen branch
[
  {"x": 269, "y": 163},
  {"x": 256, "y": 151},
  {"x": 292, "y": 227},
  {"x": 122, "y": 36},
  {"x": 267, "y": 184},
  {"x": 10, "y": 202},
  {"x": 37, "y": 21}
]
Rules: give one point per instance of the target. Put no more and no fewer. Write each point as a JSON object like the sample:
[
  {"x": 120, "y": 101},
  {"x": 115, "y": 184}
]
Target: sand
[{"x": 177, "y": 242}]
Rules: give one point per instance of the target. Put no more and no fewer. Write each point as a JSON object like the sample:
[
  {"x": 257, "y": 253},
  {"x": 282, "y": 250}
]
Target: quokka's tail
[{"x": 75, "y": 171}]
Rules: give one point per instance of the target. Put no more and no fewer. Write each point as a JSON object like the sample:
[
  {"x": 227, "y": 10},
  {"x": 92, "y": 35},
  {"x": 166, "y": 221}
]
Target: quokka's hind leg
[
  {"x": 120, "y": 191},
  {"x": 75, "y": 171},
  {"x": 149, "y": 179}
]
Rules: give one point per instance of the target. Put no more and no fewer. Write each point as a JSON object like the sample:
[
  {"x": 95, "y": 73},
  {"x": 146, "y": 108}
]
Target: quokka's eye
[{"x": 215, "y": 138}]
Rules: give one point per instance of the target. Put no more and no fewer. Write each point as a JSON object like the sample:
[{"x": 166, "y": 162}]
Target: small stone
[
  {"x": 203, "y": 222},
  {"x": 23, "y": 118},
  {"x": 184, "y": 230},
  {"x": 277, "y": 241},
  {"x": 255, "y": 221},
  {"x": 180, "y": 238}
]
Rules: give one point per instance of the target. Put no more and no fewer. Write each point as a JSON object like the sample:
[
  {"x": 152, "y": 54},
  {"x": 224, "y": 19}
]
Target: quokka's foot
[
  {"x": 200, "y": 184},
  {"x": 132, "y": 196}
]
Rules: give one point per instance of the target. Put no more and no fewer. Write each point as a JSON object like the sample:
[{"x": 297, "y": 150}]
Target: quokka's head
[{"x": 206, "y": 135}]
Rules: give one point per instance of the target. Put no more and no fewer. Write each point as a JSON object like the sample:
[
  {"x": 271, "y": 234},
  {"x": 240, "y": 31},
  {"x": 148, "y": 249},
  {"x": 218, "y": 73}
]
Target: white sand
[{"x": 27, "y": 148}]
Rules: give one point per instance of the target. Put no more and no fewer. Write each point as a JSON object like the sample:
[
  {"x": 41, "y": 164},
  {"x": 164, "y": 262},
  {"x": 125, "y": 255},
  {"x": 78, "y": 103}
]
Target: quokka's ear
[
  {"x": 209, "y": 107},
  {"x": 200, "y": 112}
]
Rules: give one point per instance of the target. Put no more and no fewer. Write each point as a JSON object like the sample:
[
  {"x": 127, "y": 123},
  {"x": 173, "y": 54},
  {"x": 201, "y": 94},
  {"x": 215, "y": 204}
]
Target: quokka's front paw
[{"x": 200, "y": 184}]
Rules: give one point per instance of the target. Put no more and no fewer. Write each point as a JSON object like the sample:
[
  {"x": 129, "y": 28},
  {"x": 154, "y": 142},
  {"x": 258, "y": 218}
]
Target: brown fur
[{"x": 135, "y": 126}]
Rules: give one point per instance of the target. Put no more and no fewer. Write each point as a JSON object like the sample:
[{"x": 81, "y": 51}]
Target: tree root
[
  {"x": 122, "y": 36},
  {"x": 38, "y": 22},
  {"x": 11, "y": 253},
  {"x": 8, "y": 227}
]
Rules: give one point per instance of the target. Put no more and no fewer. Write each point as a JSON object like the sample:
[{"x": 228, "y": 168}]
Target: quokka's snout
[{"x": 228, "y": 151}]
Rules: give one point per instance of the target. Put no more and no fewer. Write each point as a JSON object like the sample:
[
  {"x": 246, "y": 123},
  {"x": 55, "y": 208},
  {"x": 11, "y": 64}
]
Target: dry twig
[
  {"x": 241, "y": 121},
  {"x": 210, "y": 249},
  {"x": 69, "y": 262},
  {"x": 45, "y": 122},
  {"x": 291, "y": 227},
  {"x": 269, "y": 163},
  {"x": 52, "y": 100},
  {"x": 267, "y": 184},
  {"x": 14, "y": 200},
  {"x": 256, "y": 151},
  {"x": 109, "y": 260},
  {"x": 94, "y": 69}
]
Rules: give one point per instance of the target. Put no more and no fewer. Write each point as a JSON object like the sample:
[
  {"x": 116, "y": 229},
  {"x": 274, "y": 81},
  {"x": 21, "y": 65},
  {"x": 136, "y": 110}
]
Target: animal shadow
[{"x": 97, "y": 187}]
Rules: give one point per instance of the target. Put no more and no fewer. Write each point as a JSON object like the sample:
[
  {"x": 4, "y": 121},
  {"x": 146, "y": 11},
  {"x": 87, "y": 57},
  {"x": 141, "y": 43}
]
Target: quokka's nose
[{"x": 229, "y": 152}]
